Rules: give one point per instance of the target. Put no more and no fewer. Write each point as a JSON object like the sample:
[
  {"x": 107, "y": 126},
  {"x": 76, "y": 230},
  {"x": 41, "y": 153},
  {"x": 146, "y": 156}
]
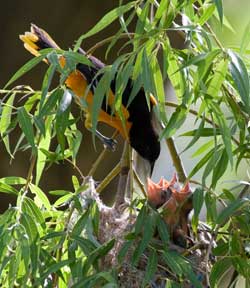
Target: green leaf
[
  {"x": 78, "y": 58},
  {"x": 219, "y": 7},
  {"x": 211, "y": 206},
  {"x": 12, "y": 180},
  {"x": 105, "y": 21},
  {"x": 201, "y": 163},
  {"x": 197, "y": 135},
  {"x": 62, "y": 118},
  {"x": 139, "y": 224},
  {"x": 124, "y": 250},
  {"x": 26, "y": 126},
  {"x": 162, "y": 230},
  {"x": 50, "y": 104},
  {"x": 41, "y": 199},
  {"x": 201, "y": 59},
  {"x": 240, "y": 77},
  {"x": 203, "y": 148},
  {"x": 202, "y": 132},
  {"x": 34, "y": 211},
  {"x": 81, "y": 223},
  {"x": 171, "y": 259},
  {"x": 151, "y": 267},
  {"x": 161, "y": 9},
  {"x": 63, "y": 200},
  {"x": 54, "y": 268},
  {"x": 230, "y": 210},
  {"x": 44, "y": 144},
  {"x": 5, "y": 122},
  {"x": 220, "y": 168},
  {"x": 159, "y": 87},
  {"x": 98, "y": 253},
  {"x": 211, "y": 164},
  {"x": 5, "y": 188},
  {"x": 218, "y": 271},
  {"x": 198, "y": 200},
  {"x": 30, "y": 226},
  {"x": 206, "y": 13},
  {"x": 28, "y": 66},
  {"x": 148, "y": 233},
  {"x": 142, "y": 23},
  {"x": 175, "y": 122},
  {"x": 225, "y": 131},
  {"x": 86, "y": 245},
  {"x": 146, "y": 75},
  {"x": 217, "y": 78},
  {"x": 46, "y": 83},
  {"x": 175, "y": 75},
  {"x": 102, "y": 89}
]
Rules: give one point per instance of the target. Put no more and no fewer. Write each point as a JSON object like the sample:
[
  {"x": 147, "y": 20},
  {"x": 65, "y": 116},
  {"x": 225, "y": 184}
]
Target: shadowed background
[{"x": 65, "y": 21}]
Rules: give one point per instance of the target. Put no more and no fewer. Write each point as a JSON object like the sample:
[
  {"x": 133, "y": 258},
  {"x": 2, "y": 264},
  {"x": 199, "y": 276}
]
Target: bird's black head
[{"x": 144, "y": 139}]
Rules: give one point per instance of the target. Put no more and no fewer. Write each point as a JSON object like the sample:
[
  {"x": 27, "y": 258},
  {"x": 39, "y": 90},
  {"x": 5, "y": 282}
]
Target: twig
[
  {"x": 100, "y": 158},
  {"x": 107, "y": 40},
  {"x": 30, "y": 172},
  {"x": 75, "y": 167},
  {"x": 244, "y": 192},
  {"x": 123, "y": 179},
  {"x": 176, "y": 160},
  {"x": 114, "y": 172},
  {"x": 209, "y": 249},
  {"x": 194, "y": 112},
  {"x": 141, "y": 185}
]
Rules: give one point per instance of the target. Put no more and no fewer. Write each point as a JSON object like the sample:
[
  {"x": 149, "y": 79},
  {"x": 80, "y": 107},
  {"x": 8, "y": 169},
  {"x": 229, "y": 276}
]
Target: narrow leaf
[
  {"x": 240, "y": 77},
  {"x": 151, "y": 267},
  {"x": 175, "y": 122},
  {"x": 27, "y": 67},
  {"x": 105, "y": 21},
  {"x": 5, "y": 122},
  {"x": 219, "y": 7},
  {"x": 26, "y": 126},
  {"x": 230, "y": 210}
]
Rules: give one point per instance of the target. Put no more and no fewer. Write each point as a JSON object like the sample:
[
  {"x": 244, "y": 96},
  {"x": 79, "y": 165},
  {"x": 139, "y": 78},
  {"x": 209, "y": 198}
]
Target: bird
[
  {"x": 176, "y": 204},
  {"x": 138, "y": 130}
]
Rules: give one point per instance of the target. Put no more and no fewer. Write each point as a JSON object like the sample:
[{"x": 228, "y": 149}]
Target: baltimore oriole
[{"x": 138, "y": 128}]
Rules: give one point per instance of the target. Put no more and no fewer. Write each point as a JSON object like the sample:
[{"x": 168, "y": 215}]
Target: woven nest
[{"x": 117, "y": 223}]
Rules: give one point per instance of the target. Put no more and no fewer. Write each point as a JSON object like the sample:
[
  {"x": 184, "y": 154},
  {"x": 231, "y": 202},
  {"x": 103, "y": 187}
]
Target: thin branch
[
  {"x": 113, "y": 173},
  {"x": 107, "y": 40},
  {"x": 192, "y": 111},
  {"x": 176, "y": 160},
  {"x": 30, "y": 171},
  {"x": 100, "y": 158},
  {"x": 123, "y": 179},
  {"x": 75, "y": 167}
]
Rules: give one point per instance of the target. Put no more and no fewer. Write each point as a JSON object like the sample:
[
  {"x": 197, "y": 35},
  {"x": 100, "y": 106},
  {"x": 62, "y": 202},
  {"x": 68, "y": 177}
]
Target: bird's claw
[{"x": 110, "y": 144}]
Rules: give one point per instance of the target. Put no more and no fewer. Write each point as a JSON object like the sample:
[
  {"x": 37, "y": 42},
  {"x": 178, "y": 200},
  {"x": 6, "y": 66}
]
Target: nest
[{"x": 118, "y": 222}]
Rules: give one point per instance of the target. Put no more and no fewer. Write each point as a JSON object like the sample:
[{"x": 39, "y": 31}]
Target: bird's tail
[{"x": 37, "y": 39}]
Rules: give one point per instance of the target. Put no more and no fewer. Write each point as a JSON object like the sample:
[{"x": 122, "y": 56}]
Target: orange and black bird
[{"x": 138, "y": 130}]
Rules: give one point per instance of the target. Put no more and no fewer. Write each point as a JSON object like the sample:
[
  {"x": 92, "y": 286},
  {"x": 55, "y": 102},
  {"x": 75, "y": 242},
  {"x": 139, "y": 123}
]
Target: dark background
[{"x": 65, "y": 21}]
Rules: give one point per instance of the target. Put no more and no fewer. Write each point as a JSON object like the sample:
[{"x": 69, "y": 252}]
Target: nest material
[{"x": 118, "y": 222}]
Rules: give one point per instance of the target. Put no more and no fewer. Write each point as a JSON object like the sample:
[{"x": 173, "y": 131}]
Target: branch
[
  {"x": 176, "y": 160},
  {"x": 192, "y": 111},
  {"x": 123, "y": 179}
]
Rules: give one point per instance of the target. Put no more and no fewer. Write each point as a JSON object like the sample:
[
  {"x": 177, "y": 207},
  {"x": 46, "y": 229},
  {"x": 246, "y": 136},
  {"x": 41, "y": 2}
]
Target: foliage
[{"x": 37, "y": 247}]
